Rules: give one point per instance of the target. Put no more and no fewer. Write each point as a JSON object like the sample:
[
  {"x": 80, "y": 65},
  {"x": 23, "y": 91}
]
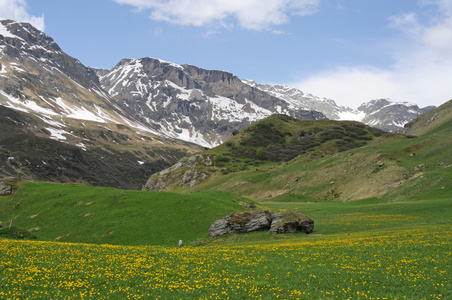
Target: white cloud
[
  {"x": 249, "y": 14},
  {"x": 407, "y": 23},
  {"x": 17, "y": 10},
  {"x": 420, "y": 72}
]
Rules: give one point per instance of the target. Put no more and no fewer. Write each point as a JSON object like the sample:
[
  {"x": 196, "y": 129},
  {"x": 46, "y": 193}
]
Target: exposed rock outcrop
[
  {"x": 187, "y": 172},
  {"x": 5, "y": 189},
  {"x": 242, "y": 222},
  {"x": 291, "y": 222}
]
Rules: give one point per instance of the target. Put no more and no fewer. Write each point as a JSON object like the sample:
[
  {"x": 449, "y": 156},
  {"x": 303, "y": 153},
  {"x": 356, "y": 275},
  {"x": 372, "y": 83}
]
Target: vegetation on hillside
[
  {"x": 384, "y": 165},
  {"x": 282, "y": 138}
]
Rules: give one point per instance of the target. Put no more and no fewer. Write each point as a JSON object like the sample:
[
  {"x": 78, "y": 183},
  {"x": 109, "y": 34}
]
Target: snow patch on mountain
[
  {"x": 351, "y": 115},
  {"x": 57, "y": 134},
  {"x": 6, "y": 33}
]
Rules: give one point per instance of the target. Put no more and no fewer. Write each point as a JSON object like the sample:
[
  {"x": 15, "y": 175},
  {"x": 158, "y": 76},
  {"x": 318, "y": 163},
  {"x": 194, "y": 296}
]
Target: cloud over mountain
[
  {"x": 249, "y": 14},
  {"x": 17, "y": 10}
]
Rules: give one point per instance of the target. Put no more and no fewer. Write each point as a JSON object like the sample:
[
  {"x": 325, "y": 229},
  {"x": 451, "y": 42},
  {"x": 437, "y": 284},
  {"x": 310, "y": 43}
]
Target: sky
[{"x": 351, "y": 51}]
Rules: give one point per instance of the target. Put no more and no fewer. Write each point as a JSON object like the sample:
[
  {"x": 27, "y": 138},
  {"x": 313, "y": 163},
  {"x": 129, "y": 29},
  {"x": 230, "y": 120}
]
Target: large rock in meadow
[
  {"x": 291, "y": 222},
  {"x": 242, "y": 222}
]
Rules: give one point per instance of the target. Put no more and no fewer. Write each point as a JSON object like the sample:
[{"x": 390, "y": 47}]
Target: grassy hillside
[
  {"x": 255, "y": 162},
  {"x": 389, "y": 166},
  {"x": 74, "y": 213},
  {"x": 434, "y": 120}
]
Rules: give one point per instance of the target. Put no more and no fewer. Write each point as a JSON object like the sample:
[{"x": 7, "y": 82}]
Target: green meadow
[
  {"x": 102, "y": 243},
  {"x": 80, "y": 214}
]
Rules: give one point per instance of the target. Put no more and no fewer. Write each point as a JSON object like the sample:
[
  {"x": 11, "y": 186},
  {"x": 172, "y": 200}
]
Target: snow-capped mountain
[
  {"x": 382, "y": 113},
  {"x": 37, "y": 77},
  {"x": 389, "y": 115},
  {"x": 155, "y": 97},
  {"x": 58, "y": 124},
  {"x": 190, "y": 103}
]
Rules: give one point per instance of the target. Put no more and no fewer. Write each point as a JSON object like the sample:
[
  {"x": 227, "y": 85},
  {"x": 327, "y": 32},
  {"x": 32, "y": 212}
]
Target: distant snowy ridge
[{"x": 382, "y": 113}]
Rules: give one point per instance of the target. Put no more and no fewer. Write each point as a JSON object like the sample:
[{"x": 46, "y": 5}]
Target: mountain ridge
[
  {"x": 203, "y": 106},
  {"x": 148, "y": 108},
  {"x": 380, "y": 113},
  {"x": 59, "y": 105}
]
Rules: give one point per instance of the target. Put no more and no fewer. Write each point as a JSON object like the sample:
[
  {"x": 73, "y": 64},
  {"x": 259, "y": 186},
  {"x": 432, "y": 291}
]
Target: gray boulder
[
  {"x": 242, "y": 222},
  {"x": 291, "y": 222},
  {"x": 5, "y": 189}
]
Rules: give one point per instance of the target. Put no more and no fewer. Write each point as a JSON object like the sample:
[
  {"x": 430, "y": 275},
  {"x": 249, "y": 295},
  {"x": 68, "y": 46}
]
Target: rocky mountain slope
[
  {"x": 190, "y": 103},
  {"x": 50, "y": 101},
  {"x": 380, "y": 113}
]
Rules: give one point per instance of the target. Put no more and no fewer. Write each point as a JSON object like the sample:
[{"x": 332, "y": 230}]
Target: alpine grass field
[
  {"x": 106, "y": 243},
  {"x": 360, "y": 250},
  {"x": 407, "y": 263}
]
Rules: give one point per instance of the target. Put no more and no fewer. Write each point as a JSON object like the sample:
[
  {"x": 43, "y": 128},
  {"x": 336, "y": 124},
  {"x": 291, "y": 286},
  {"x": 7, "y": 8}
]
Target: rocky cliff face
[
  {"x": 189, "y": 171},
  {"x": 190, "y": 103}
]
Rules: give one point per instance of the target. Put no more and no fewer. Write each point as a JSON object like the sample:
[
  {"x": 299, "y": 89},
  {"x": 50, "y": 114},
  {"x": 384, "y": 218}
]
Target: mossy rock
[
  {"x": 291, "y": 222},
  {"x": 242, "y": 222}
]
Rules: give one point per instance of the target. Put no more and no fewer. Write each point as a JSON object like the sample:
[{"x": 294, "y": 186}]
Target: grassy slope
[
  {"x": 106, "y": 215},
  {"x": 283, "y": 156},
  {"x": 431, "y": 121},
  {"x": 349, "y": 175}
]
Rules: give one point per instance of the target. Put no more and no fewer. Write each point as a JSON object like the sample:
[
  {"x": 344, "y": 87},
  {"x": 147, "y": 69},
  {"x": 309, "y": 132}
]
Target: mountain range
[
  {"x": 380, "y": 113},
  {"x": 141, "y": 116}
]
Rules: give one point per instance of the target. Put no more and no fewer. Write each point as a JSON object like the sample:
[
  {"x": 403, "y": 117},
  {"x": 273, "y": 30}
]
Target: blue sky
[{"x": 351, "y": 51}]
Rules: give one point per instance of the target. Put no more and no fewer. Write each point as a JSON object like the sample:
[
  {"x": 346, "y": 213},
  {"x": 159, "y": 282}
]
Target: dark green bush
[{"x": 16, "y": 233}]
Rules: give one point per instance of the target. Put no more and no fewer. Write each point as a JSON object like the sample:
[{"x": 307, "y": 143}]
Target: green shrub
[{"x": 16, "y": 233}]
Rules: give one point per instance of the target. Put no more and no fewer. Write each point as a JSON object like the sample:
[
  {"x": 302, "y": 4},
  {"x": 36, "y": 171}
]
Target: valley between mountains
[
  {"x": 110, "y": 181},
  {"x": 119, "y": 126}
]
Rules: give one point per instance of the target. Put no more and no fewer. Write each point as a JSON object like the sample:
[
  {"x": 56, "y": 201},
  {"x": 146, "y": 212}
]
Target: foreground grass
[
  {"x": 377, "y": 248},
  {"x": 410, "y": 263},
  {"x": 80, "y": 214}
]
